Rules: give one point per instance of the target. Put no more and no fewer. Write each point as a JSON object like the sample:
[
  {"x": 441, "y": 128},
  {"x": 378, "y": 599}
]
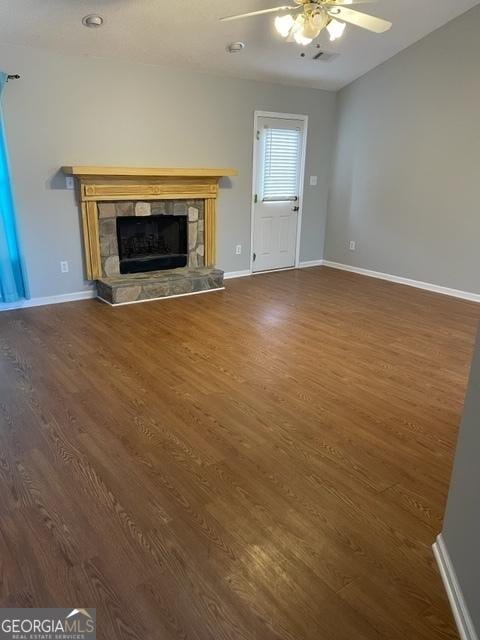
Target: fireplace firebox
[{"x": 152, "y": 243}]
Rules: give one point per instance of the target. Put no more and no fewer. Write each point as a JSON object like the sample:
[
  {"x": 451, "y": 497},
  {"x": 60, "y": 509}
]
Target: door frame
[{"x": 284, "y": 116}]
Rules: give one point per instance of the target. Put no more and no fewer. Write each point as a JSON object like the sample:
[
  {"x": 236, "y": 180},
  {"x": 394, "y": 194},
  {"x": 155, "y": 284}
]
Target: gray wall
[
  {"x": 406, "y": 175},
  {"x": 81, "y": 110},
  {"x": 461, "y": 528}
]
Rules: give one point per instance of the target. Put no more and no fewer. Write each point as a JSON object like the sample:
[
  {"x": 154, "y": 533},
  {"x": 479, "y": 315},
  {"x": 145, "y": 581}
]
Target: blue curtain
[{"x": 12, "y": 284}]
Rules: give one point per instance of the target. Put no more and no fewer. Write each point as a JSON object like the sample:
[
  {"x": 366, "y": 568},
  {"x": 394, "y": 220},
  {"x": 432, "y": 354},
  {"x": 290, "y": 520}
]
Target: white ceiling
[{"x": 188, "y": 33}]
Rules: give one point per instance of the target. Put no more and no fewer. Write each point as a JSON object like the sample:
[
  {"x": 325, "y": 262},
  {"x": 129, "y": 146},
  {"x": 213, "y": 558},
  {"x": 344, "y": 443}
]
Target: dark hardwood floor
[{"x": 266, "y": 463}]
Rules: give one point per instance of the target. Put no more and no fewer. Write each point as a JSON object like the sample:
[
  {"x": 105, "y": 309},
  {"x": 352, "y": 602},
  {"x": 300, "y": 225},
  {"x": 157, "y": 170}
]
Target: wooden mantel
[
  {"x": 147, "y": 172},
  {"x": 107, "y": 184}
]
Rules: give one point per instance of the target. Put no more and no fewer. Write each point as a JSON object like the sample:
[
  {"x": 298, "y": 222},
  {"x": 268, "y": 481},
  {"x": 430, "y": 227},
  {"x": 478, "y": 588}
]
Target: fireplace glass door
[{"x": 152, "y": 243}]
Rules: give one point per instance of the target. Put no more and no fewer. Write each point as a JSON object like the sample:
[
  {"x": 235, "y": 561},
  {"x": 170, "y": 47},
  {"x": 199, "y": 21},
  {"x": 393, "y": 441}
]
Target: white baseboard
[
  {"x": 247, "y": 272},
  {"x": 236, "y": 274},
  {"x": 40, "y": 302},
  {"x": 435, "y": 288},
  {"x": 454, "y": 592},
  {"x": 310, "y": 263}
]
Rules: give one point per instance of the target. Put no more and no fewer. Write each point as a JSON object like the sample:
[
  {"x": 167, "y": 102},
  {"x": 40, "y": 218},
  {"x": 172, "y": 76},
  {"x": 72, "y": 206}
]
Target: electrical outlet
[
  {"x": 313, "y": 181},
  {"x": 238, "y": 249},
  {"x": 353, "y": 245},
  {"x": 64, "y": 266},
  {"x": 69, "y": 182}
]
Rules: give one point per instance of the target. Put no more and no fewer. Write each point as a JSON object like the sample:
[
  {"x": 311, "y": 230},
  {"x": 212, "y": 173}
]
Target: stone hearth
[{"x": 122, "y": 289}]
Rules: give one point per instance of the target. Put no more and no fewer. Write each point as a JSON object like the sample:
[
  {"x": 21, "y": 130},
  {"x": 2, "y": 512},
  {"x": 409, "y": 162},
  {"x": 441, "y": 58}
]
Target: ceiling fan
[{"x": 315, "y": 15}]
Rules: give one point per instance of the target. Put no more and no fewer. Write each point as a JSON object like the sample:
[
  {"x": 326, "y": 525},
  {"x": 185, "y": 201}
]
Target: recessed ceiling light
[
  {"x": 235, "y": 47},
  {"x": 93, "y": 21}
]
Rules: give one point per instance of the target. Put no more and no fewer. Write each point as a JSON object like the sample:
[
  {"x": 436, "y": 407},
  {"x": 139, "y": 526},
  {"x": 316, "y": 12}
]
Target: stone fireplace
[
  {"x": 149, "y": 232},
  {"x": 141, "y": 236}
]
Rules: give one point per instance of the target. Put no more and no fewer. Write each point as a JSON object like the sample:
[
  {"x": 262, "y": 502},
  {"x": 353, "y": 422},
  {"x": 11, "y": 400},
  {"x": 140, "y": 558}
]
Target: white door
[{"x": 278, "y": 160}]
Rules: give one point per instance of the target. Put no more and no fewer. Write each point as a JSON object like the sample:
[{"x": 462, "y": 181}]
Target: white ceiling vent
[{"x": 324, "y": 56}]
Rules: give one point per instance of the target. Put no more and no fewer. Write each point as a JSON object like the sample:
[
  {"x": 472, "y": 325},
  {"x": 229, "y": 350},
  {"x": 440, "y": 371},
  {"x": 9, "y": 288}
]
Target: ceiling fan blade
[
  {"x": 259, "y": 13},
  {"x": 342, "y": 3},
  {"x": 377, "y": 25}
]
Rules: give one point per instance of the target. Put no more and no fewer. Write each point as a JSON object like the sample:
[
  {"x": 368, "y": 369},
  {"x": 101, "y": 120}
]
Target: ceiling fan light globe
[
  {"x": 319, "y": 20},
  {"x": 283, "y": 25},
  {"x": 299, "y": 21},
  {"x": 297, "y": 32},
  {"x": 335, "y": 29},
  {"x": 310, "y": 30},
  {"x": 301, "y": 39}
]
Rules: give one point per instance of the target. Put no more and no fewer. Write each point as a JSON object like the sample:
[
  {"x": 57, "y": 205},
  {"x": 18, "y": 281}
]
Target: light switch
[{"x": 313, "y": 181}]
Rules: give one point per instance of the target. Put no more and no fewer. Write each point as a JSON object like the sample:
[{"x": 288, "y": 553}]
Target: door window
[{"x": 281, "y": 164}]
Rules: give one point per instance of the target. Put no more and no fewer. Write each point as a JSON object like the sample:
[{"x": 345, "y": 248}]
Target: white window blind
[{"x": 281, "y": 164}]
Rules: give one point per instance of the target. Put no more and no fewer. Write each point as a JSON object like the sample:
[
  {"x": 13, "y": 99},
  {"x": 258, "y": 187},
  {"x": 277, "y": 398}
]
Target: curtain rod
[{"x": 13, "y": 77}]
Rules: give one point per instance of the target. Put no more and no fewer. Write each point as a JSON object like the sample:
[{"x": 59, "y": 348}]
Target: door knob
[{"x": 295, "y": 208}]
